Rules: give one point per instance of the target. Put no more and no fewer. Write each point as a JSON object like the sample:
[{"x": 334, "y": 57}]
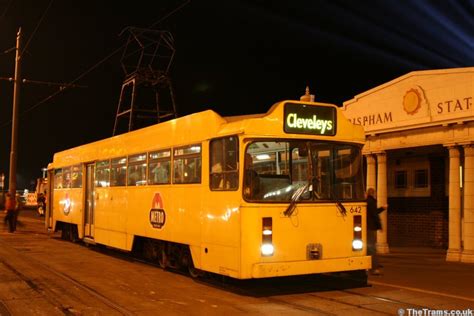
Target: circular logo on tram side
[
  {"x": 157, "y": 212},
  {"x": 66, "y": 204}
]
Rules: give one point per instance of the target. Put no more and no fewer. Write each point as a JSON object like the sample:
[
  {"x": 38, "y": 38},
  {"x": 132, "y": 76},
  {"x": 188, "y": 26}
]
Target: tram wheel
[
  {"x": 150, "y": 250},
  {"x": 65, "y": 232},
  {"x": 162, "y": 257},
  {"x": 188, "y": 262},
  {"x": 193, "y": 272}
]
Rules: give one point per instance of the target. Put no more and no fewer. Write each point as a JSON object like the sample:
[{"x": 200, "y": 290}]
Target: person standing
[
  {"x": 18, "y": 207},
  {"x": 10, "y": 209},
  {"x": 373, "y": 224},
  {"x": 251, "y": 178}
]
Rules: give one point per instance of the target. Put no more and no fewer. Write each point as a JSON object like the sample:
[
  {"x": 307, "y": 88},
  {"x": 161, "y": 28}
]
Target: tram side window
[
  {"x": 187, "y": 164},
  {"x": 159, "y": 167},
  {"x": 224, "y": 159},
  {"x": 136, "y": 170},
  {"x": 76, "y": 177},
  {"x": 118, "y": 172},
  {"x": 66, "y": 177},
  {"x": 102, "y": 173},
  {"x": 58, "y": 178}
]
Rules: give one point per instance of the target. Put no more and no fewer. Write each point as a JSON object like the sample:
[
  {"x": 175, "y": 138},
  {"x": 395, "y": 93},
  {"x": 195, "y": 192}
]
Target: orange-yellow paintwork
[{"x": 224, "y": 231}]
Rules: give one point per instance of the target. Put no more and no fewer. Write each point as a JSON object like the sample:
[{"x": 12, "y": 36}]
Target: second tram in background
[{"x": 253, "y": 196}]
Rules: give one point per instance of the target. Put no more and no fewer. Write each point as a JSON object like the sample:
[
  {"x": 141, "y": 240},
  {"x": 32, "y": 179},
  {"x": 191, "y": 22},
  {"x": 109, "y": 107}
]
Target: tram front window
[{"x": 274, "y": 170}]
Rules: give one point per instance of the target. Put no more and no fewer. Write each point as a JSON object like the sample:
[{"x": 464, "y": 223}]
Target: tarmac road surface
[{"x": 40, "y": 274}]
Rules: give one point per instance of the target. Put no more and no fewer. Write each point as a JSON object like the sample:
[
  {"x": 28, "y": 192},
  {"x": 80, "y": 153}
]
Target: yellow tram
[{"x": 253, "y": 196}]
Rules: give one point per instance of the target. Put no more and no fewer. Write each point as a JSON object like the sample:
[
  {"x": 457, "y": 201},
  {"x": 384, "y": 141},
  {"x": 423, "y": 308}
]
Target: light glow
[
  {"x": 267, "y": 232},
  {"x": 357, "y": 244},
  {"x": 357, "y": 229},
  {"x": 267, "y": 249},
  {"x": 263, "y": 157}
]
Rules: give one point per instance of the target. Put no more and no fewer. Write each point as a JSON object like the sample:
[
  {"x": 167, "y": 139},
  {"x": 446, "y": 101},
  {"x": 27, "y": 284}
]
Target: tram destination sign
[{"x": 309, "y": 119}]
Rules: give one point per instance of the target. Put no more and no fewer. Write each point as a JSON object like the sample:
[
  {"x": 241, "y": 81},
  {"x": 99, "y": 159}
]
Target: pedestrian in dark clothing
[
  {"x": 373, "y": 224},
  {"x": 18, "y": 207},
  {"x": 10, "y": 218}
]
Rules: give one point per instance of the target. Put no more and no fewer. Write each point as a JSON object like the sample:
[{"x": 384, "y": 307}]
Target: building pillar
[
  {"x": 371, "y": 175},
  {"x": 454, "y": 251},
  {"x": 467, "y": 254},
  {"x": 382, "y": 245}
]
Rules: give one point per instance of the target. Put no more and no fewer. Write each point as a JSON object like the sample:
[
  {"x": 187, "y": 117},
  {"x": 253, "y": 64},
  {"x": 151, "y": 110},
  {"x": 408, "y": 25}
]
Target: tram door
[
  {"x": 90, "y": 201},
  {"x": 49, "y": 200}
]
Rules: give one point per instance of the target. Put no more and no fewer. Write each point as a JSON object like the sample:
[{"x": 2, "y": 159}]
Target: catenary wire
[
  {"x": 6, "y": 9},
  {"x": 36, "y": 28},
  {"x": 95, "y": 65}
]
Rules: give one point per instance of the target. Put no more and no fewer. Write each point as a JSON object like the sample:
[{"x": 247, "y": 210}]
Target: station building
[{"x": 420, "y": 158}]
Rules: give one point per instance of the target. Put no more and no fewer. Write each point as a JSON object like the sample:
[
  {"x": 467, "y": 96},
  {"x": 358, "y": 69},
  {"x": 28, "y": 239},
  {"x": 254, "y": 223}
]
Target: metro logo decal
[
  {"x": 157, "y": 212},
  {"x": 309, "y": 119}
]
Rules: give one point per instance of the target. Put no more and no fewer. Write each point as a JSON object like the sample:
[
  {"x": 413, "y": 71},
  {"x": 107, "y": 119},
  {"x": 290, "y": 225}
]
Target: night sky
[{"x": 235, "y": 57}]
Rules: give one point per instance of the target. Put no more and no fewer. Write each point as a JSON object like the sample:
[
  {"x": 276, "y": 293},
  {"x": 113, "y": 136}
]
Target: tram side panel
[
  {"x": 221, "y": 233},
  {"x": 166, "y": 212},
  {"x": 110, "y": 216},
  {"x": 67, "y": 207}
]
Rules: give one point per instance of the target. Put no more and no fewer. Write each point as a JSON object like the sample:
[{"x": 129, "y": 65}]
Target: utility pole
[
  {"x": 16, "y": 107},
  {"x": 17, "y": 83}
]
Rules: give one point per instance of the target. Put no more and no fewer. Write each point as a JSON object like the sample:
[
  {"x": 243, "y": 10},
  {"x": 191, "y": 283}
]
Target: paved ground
[
  {"x": 426, "y": 269},
  {"x": 43, "y": 275}
]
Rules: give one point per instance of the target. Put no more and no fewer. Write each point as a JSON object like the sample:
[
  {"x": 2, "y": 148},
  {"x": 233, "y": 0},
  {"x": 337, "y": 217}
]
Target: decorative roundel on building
[
  {"x": 157, "y": 212},
  {"x": 412, "y": 101}
]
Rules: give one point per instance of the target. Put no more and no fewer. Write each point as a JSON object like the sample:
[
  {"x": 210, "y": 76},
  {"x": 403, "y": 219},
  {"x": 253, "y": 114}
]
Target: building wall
[
  {"x": 433, "y": 108},
  {"x": 418, "y": 216},
  {"x": 418, "y": 229}
]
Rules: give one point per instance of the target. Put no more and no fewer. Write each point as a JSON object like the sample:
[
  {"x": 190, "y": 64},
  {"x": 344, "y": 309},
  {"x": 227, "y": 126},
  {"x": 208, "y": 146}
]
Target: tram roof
[{"x": 190, "y": 129}]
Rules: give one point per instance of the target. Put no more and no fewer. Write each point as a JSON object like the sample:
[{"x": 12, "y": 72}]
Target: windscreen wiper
[
  {"x": 341, "y": 208},
  {"x": 295, "y": 198},
  {"x": 339, "y": 205}
]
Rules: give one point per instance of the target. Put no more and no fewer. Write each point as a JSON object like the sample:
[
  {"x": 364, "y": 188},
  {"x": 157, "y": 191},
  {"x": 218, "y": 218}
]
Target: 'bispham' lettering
[{"x": 294, "y": 121}]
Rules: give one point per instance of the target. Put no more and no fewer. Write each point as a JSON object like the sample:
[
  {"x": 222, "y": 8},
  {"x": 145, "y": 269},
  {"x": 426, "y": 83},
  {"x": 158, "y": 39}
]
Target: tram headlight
[
  {"x": 267, "y": 249},
  {"x": 267, "y": 237},
  {"x": 357, "y": 244}
]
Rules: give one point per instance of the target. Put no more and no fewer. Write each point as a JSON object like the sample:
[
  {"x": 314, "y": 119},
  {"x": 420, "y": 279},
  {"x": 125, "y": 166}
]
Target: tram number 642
[{"x": 355, "y": 209}]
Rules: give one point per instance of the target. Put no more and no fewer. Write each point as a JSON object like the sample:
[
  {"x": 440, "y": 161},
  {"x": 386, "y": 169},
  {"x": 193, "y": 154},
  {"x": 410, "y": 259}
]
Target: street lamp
[{"x": 44, "y": 171}]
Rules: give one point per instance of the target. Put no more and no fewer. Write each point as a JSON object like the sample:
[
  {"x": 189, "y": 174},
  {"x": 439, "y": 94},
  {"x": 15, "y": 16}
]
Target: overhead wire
[
  {"x": 61, "y": 89},
  {"x": 102, "y": 60},
  {"x": 36, "y": 28},
  {"x": 31, "y": 37},
  {"x": 6, "y": 9}
]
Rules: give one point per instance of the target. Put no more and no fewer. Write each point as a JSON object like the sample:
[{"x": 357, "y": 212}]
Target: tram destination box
[{"x": 309, "y": 119}]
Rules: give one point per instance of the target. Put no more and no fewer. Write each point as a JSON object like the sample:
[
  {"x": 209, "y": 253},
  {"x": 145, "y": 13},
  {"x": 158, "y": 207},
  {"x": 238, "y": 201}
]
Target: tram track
[
  {"x": 66, "y": 310},
  {"x": 304, "y": 294},
  {"x": 268, "y": 293},
  {"x": 217, "y": 281},
  {"x": 43, "y": 287}
]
